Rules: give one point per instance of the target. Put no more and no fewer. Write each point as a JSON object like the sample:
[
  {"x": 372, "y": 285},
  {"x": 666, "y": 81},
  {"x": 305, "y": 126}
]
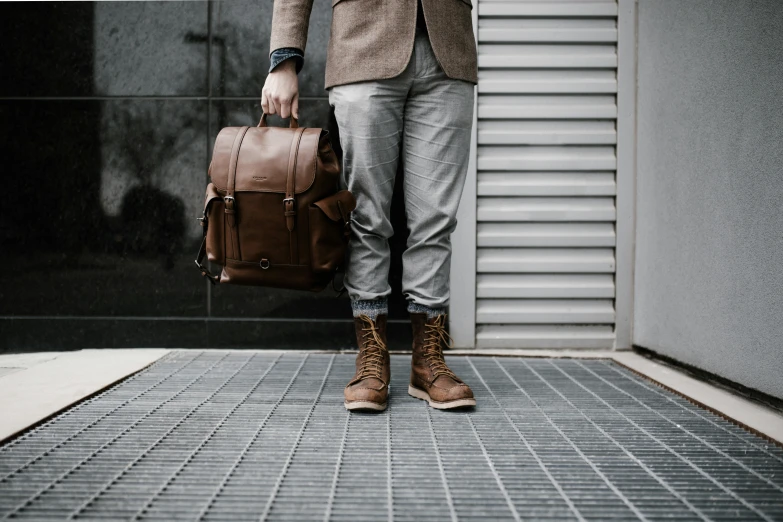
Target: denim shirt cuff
[{"x": 284, "y": 53}]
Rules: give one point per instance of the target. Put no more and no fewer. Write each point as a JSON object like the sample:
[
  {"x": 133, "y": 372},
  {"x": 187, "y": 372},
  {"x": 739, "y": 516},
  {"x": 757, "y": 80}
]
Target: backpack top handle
[{"x": 294, "y": 123}]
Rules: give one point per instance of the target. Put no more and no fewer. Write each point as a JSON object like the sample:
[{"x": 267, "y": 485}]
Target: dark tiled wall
[{"x": 109, "y": 111}]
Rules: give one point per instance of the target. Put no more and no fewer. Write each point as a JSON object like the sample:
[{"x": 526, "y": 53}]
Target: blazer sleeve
[{"x": 290, "y": 20}]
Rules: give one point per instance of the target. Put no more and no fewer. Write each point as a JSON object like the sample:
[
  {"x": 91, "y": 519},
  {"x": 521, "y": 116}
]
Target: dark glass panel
[
  {"x": 58, "y": 49},
  {"x": 240, "y": 51},
  {"x": 101, "y": 220}
]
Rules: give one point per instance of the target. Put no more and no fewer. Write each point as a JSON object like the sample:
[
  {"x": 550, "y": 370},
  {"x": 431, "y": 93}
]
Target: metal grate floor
[{"x": 252, "y": 436}]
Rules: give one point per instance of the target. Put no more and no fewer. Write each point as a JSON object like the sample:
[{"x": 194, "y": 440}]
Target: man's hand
[{"x": 280, "y": 94}]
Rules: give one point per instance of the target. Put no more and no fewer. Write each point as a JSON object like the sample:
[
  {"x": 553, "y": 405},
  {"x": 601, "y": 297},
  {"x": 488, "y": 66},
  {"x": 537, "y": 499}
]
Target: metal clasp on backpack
[
  {"x": 203, "y": 220},
  {"x": 292, "y": 200},
  {"x": 204, "y": 272}
]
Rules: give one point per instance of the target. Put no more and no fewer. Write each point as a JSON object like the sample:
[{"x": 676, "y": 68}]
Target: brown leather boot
[
  {"x": 431, "y": 379},
  {"x": 369, "y": 388}
]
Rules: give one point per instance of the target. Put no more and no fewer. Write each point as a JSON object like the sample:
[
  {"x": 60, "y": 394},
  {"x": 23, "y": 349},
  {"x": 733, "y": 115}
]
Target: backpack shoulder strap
[{"x": 289, "y": 203}]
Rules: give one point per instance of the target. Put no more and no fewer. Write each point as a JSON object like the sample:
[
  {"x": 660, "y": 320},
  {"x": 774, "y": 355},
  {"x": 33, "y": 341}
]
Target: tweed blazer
[{"x": 373, "y": 39}]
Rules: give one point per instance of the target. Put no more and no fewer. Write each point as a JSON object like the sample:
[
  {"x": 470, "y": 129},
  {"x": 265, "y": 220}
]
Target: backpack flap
[{"x": 264, "y": 157}]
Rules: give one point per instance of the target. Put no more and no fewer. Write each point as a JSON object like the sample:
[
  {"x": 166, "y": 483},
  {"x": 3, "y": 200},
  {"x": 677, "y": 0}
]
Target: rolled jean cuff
[
  {"x": 416, "y": 308},
  {"x": 372, "y": 308},
  {"x": 278, "y": 56}
]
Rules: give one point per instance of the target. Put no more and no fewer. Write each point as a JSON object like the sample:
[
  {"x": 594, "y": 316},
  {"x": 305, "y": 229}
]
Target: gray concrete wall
[{"x": 709, "y": 252}]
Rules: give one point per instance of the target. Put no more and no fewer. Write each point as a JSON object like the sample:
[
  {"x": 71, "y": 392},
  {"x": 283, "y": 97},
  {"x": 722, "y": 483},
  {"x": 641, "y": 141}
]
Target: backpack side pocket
[
  {"x": 215, "y": 216},
  {"x": 330, "y": 220}
]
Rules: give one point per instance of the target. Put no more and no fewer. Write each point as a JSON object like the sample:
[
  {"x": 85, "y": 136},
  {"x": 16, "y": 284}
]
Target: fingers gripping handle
[{"x": 294, "y": 123}]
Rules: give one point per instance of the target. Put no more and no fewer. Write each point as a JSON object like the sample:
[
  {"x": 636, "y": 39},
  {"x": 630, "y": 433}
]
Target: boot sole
[
  {"x": 364, "y": 405},
  {"x": 421, "y": 394}
]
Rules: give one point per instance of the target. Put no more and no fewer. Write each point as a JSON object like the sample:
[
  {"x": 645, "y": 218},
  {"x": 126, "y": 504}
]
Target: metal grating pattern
[{"x": 255, "y": 436}]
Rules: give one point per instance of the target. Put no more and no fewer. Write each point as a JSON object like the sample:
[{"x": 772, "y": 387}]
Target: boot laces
[
  {"x": 434, "y": 338},
  {"x": 372, "y": 351}
]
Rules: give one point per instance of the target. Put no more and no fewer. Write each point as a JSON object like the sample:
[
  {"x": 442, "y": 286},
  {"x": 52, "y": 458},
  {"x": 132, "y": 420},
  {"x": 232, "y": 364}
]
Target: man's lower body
[{"x": 423, "y": 119}]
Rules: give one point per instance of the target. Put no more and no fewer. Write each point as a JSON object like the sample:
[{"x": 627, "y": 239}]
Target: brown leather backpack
[{"x": 273, "y": 212}]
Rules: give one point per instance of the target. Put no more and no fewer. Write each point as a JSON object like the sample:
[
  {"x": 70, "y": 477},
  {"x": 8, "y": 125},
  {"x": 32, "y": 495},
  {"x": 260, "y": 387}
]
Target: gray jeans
[{"x": 431, "y": 116}]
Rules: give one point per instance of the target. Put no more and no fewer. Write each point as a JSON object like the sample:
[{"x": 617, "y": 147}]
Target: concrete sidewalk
[{"x": 34, "y": 386}]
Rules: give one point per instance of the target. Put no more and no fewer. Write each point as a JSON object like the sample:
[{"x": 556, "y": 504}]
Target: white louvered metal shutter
[{"x": 546, "y": 165}]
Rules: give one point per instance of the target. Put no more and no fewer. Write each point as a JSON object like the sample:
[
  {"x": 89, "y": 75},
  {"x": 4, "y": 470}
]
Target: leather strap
[
  {"x": 202, "y": 251},
  {"x": 230, "y": 189},
  {"x": 200, "y": 257},
  {"x": 289, "y": 203}
]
